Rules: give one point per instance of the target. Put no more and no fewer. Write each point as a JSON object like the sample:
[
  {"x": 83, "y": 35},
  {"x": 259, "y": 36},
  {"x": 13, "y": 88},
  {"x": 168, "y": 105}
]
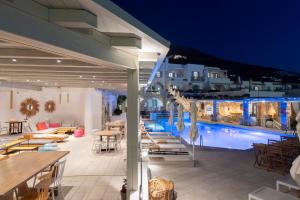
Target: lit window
[
  {"x": 195, "y": 74},
  {"x": 175, "y": 87},
  {"x": 158, "y": 74},
  {"x": 170, "y": 74}
]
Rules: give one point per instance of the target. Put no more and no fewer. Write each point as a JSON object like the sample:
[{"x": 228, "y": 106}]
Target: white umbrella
[
  {"x": 194, "y": 129},
  {"x": 298, "y": 124},
  {"x": 180, "y": 124}
]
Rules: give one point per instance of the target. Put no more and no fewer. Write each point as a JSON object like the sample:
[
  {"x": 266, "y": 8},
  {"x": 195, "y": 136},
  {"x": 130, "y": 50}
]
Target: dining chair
[
  {"x": 57, "y": 178},
  {"x": 41, "y": 189},
  {"x": 98, "y": 143}
]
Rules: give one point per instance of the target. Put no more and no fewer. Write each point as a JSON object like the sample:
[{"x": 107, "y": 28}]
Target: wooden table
[
  {"x": 108, "y": 133},
  {"x": 15, "y": 127},
  {"x": 120, "y": 126},
  {"x": 20, "y": 168}
]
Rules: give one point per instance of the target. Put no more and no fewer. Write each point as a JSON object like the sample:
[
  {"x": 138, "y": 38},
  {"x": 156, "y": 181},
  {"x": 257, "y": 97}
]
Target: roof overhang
[{"x": 102, "y": 43}]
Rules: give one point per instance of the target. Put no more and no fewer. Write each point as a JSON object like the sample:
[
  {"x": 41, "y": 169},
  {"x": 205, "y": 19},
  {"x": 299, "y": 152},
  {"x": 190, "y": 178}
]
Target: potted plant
[{"x": 124, "y": 189}]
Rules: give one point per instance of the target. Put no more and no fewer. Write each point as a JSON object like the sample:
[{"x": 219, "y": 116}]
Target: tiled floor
[
  {"x": 89, "y": 175},
  {"x": 220, "y": 175}
]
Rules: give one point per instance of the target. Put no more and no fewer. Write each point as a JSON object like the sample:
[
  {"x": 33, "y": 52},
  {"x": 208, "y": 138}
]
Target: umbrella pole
[{"x": 194, "y": 164}]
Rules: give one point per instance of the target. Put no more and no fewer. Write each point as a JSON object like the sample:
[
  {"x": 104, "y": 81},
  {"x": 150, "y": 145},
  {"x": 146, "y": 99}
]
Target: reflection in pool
[{"x": 219, "y": 135}]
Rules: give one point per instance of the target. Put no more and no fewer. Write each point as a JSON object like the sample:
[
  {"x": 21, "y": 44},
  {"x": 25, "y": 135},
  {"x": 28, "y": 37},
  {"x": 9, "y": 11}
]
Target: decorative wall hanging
[
  {"x": 50, "y": 106},
  {"x": 29, "y": 107},
  {"x": 68, "y": 98},
  {"x": 60, "y": 96},
  {"x": 11, "y": 99}
]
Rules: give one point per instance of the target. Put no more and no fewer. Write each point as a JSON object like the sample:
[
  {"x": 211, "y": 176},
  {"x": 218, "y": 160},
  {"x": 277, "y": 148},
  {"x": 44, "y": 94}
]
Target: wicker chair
[{"x": 161, "y": 189}]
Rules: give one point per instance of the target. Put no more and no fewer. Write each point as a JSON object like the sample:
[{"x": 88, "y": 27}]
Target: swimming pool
[{"x": 219, "y": 135}]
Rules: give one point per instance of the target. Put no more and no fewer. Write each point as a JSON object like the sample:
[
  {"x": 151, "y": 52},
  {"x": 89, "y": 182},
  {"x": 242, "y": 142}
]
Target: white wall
[{"x": 84, "y": 105}]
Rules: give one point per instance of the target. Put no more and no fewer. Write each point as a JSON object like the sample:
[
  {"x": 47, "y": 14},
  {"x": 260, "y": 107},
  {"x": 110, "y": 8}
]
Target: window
[
  {"x": 170, "y": 74},
  {"x": 175, "y": 87},
  {"x": 158, "y": 74},
  {"x": 195, "y": 75}
]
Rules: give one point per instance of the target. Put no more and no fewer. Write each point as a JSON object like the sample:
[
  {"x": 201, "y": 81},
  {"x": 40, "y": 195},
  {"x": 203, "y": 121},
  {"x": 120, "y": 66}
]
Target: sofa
[{"x": 52, "y": 128}]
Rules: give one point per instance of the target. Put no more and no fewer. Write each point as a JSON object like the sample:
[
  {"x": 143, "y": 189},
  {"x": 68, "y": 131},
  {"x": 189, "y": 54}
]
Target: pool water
[{"x": 219, "y": 135}]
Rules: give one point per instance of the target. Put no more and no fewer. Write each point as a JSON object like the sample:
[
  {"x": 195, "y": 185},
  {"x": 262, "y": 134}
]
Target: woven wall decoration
[
  {"x": 29, "y": 107},
  {"x": 50, "y": 106}
]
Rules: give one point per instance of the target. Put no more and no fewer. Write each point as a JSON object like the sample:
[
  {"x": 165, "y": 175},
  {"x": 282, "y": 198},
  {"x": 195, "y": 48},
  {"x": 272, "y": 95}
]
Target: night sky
[{"x": 262, "y": 32}]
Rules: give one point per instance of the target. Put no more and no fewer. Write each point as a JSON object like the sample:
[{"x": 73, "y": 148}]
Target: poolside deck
[{"x": 220, "y": 175}]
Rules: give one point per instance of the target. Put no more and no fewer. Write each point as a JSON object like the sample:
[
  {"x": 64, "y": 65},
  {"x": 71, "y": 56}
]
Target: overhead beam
[
  {"x": 73, "y": 18},
  {"x": 43, "y": 62},
  {"x": 80, "y": 69},
  {"x": 126, "y": 42},
  {"x": 27, "y": 53},
  {"x": 49, "y": 37}
]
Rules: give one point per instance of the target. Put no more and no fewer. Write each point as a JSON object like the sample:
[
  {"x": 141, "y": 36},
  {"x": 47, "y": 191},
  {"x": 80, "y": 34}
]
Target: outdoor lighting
[
  {"x": 58, "y": 61},
  {"x": 14, "y": 60}
]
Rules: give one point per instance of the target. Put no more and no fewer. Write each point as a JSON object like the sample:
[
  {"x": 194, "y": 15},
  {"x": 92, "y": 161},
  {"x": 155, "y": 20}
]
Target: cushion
[
  {"x": 50, "y": 145},
  {"x": 78, "y": 133},
  {"x": 41, "y": 126},
  {"x": 54, "y": 125},
  {"x": 41, "y": 149}
]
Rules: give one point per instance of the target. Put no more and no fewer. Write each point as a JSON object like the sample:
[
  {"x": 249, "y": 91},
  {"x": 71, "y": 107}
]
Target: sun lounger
[
  {"x": 288, "y": 183},
  {"x": 159, "y": 133},
  {"x": 161, "y": 140},
  {"x": 266, "y": 193}
]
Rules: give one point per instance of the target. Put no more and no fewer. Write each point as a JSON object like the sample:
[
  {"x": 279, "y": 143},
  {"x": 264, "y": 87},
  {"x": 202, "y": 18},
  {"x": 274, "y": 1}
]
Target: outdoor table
[
  {"x": 107, "y": 134},
  {"x": 20, "y": 168},
  {"x": 120, "y": 126},
  {"x": 15, "y": 127}
]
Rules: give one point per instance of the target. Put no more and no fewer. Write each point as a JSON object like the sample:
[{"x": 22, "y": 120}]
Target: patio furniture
[
  {"x": 108, "y": 135},
  {"x": 160, "y": 189},
  {"x": 116, "y": 142},
  {"x": 41, "y": 189},
  {"x": 57, "y": 178},
  {"x": 288, "y": 183},
  {"x": 260, "y": 153},
  {"x": 276, "y": 161},
  {"x": 20, "y": 168},
  {"x": 266, "y": 193}
]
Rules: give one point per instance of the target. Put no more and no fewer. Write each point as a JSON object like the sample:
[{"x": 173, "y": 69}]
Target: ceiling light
[
  {"x": 58, "y": 61},
  {"x": 94, "y": 76},
  {"x": 80, "y": 76},
  {"x": 14, "y": 60},
  {"x": 38, "y": 80},
  {"x": 27, "y": 80}
]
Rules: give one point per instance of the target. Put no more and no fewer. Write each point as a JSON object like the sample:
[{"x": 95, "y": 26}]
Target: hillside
[{"x": 185, "y": 55}]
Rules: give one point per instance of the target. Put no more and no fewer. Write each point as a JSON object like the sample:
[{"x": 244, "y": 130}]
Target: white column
[
  {"x": 132, "y": 130},
  {"x": 93, "y": 110}
]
